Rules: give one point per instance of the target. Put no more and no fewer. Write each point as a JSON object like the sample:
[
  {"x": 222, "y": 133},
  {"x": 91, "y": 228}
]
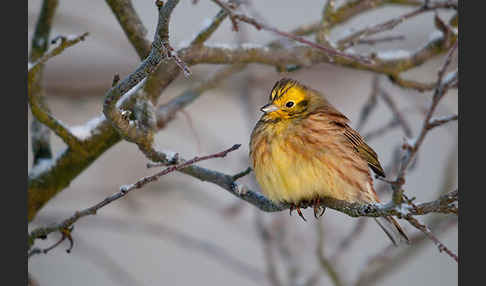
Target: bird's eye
[{"x": 289, "y": 104}]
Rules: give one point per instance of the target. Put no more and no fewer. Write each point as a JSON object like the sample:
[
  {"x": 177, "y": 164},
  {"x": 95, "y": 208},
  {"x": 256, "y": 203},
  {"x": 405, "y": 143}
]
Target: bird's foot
[
  {"x": 318, "y": 208},
  {"x": 294, "y": 207}
]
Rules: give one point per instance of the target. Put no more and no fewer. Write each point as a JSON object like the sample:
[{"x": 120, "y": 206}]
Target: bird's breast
[{"x": 292, "y": 166}]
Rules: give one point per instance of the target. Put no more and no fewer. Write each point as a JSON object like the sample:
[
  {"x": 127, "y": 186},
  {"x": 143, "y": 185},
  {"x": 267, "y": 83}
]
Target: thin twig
[
  {"x": 258, "y": 25},
  {"x": 142, "y": 182},
  {"x": 124, "y": 190},
  {"x": 370, "y": 104},
  {"x": 390, "y": 24},
  {"x": 411, "y": 149},
  {"x": 396, "y": 112},
  {"x": 65, "y": 42},
  {"x": 413, "y": 221},
  {"x": 438, "y": 121}
]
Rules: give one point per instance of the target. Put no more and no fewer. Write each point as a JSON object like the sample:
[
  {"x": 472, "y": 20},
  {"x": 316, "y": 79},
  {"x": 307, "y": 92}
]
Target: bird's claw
[{"x": 294, "y": 207}]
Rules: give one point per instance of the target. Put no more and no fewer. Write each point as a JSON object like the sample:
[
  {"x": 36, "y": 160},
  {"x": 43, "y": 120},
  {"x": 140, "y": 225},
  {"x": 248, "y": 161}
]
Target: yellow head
[{"x": 288, "y": 99}]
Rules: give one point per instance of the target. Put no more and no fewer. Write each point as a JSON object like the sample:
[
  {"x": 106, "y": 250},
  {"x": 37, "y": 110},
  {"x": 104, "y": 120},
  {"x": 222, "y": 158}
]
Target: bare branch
[
  {"x": 142, "y": 135},
  {"x": 305, "y": 56},
  {"x": 40, "y": 40},
  {"x": 429, "y": 234},
  {"x": 65, "y": 43},
  {"x": 445, "y": 204},
  {"x": 374, "y": 41},
  {"x": 438, "y": 121},
  {"x": 124, "y": 190},
  {"x": 142, "y": 182},
  {"x": 412, "y": 148},
  {"x": 390, "y": 24},
  {"x": 166, "y": 112},
  {"x": 400, "y": 118},
  {"x": 132, "y": 25},
  {"x": 38, "y": 108},
  {"x": 207, "y": 31},
  {"x": 419, "y": 86},
  {"x": 258, "y": 25}
]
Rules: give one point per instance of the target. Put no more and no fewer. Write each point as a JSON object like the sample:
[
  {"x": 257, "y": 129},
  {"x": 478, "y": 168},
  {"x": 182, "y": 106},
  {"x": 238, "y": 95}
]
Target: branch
[
  {"x": 258, "y": 25},
  {"x": 132, "y": 25},
  {"x": 352, "y": 39},
  {"x": 419, "y": 86},
  {"x": 166, "y": 112},
  {"x": 133, "y": 131},
  {"x": 65, "y": 43},
  {"x": 443, "y": 84},
  {"x": 187, "y": 241},
  {"x": 37, "y": 107},
  {"x": 305, "y": 56},
  {"x": 207, "y": 31},
  {"x": 432, "y": 237},
  {"x": 396, "y": 112},
  {"x": 438, "y": 121},
  {"x": 124, "y": 190},
  {"x": 40, "y": 134},
  {"x": 445, "y": 204}
]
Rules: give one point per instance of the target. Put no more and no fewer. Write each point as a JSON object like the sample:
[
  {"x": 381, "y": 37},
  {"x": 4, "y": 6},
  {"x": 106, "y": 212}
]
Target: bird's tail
[{"x": 392, "y": 229}]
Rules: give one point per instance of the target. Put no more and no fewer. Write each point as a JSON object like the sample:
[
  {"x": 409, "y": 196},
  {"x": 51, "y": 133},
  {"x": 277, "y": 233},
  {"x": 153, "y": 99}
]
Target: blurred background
[{"x": 180, "y": 231}]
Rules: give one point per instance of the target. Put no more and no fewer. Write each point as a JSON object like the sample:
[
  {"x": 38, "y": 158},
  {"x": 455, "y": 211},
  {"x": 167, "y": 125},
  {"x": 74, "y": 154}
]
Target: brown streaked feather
[
  {"x": 364, "y": 150},
  {"x": 353, "y": 137}
]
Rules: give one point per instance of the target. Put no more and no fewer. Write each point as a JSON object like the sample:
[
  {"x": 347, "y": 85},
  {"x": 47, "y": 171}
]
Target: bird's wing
[
  {"x": 363, "y": 150},
  {"x": 332, "y": 115}
]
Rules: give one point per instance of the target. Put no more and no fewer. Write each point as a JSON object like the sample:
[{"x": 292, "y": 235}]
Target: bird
[{"x": 302, "y": 151}]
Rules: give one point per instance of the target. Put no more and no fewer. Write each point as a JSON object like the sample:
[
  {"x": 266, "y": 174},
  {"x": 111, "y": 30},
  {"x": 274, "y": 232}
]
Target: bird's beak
[{"x": 269, "y": 108}]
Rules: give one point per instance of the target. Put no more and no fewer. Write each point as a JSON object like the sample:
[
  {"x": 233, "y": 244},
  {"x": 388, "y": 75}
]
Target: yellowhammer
[{"x": 303, "y": 150}]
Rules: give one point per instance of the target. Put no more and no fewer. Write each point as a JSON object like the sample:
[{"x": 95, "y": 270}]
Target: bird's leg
[{"x": 317, "y": 206}]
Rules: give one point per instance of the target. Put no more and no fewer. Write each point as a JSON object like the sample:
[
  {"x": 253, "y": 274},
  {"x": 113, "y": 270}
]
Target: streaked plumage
[{"x": 303, "y": 149}]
